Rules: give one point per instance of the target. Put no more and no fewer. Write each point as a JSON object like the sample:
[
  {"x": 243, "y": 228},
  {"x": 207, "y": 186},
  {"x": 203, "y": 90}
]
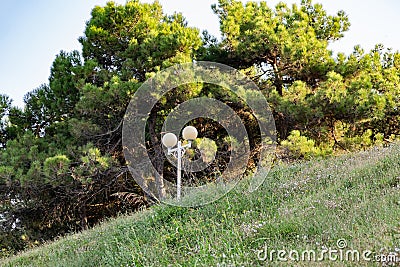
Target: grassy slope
[{"x": 302, "y": 206}]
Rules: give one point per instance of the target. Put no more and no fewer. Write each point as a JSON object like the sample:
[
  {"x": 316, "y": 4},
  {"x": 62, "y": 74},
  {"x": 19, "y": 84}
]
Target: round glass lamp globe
[
  {"x": 189, "y": 133},
  {"x": 169, "y": 140}
]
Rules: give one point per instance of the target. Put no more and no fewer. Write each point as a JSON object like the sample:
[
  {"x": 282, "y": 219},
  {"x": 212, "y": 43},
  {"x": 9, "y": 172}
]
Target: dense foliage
[{"x": 61, "y": 162}]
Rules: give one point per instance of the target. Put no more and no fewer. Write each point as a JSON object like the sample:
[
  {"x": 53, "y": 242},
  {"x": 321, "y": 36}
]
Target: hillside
[
  {"x": 142, "y": 71},
  {"x": 349, "y": 203}
]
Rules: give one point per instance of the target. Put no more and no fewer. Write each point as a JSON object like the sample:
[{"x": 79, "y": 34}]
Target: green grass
[{"x": 301, "y": 206}]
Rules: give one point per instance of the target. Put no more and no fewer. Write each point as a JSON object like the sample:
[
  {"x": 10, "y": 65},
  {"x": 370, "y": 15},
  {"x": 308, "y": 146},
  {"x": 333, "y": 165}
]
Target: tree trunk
[
  {"x": 278, "y": 79},
  {"x": 84, "y": 221},
  {"x": 158, "y": 156}
]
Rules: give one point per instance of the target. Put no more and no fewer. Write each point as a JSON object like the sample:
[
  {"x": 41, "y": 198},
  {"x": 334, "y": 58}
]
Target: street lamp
[{"x": 169, "y": 140}]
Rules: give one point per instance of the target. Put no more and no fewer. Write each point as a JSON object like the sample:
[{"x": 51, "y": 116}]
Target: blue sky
[{"x": 32, "y": 33}]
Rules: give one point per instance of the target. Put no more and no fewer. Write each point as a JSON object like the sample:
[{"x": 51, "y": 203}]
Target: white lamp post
[{"x": 169, "y": 140}]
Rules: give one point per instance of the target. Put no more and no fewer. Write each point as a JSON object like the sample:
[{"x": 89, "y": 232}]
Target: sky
[{"x": 32, "y": 33}]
